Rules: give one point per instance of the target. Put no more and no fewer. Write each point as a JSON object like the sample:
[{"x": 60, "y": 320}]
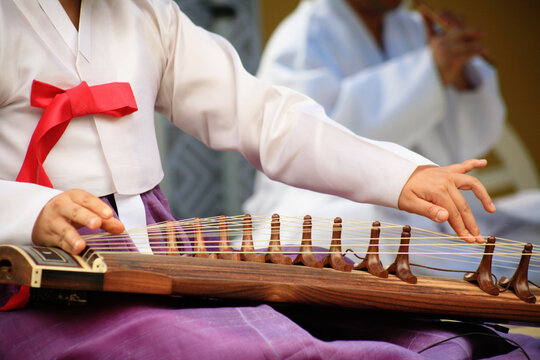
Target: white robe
[
  {"x": 193, "y": 77},
  {"x": 324, "y": 50}
]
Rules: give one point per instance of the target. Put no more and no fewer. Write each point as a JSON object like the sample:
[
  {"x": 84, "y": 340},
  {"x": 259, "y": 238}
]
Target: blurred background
[{"x": 201, "y": 182}]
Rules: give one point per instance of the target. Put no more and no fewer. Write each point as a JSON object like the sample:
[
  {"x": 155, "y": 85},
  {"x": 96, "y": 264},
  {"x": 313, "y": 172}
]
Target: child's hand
[{"x": 60, "y": 218}]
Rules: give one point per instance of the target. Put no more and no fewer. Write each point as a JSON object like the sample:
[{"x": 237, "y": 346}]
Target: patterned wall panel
[{"x": 199, "y": 181}]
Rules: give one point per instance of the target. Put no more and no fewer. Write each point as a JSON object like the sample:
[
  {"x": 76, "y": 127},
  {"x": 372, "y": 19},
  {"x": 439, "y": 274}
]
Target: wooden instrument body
[{"x": 217, "y": 278}]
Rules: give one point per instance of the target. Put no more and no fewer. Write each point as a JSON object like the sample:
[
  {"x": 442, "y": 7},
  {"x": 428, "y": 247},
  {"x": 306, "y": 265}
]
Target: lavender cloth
[{"x": 126, "y": 326}]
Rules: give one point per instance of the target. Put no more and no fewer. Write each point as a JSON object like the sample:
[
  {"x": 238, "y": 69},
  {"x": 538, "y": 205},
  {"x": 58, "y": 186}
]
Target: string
[
  {"x": 184, "y": 228},
  {"x": 423, "y": 243}
]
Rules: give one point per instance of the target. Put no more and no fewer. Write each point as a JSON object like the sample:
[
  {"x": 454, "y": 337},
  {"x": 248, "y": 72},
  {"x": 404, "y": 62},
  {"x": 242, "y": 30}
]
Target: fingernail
[
  {"x": 440, "y": 216},
  {"x": 93, "y": 223},
  {"x": 77, "y": 245},
  {"x": 107, "y": 212}
]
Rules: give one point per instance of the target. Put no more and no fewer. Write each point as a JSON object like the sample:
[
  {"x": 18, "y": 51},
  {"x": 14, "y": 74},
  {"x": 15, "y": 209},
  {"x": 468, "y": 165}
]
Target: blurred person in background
[{"x": 389, "y": 73}]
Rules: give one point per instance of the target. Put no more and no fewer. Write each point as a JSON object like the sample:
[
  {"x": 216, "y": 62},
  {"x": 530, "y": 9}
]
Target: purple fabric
[
  {"x": 138, "y": 327},
  {"x": 113, "y": 326}
]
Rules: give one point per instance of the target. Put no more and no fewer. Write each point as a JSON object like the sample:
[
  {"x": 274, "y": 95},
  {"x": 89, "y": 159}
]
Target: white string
[{"x": 354, "y": 234}]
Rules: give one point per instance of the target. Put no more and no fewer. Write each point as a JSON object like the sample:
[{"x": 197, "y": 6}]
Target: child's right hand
[{"x": 60, "y": 218}]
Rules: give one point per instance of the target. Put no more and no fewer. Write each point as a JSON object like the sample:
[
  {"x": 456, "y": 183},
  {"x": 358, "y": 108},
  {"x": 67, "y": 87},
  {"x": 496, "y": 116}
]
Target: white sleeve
[
  {"x": 21, "y": 205},
  {"x": 206, "y": 92}
]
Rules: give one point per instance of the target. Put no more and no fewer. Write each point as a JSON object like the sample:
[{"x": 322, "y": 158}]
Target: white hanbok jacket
[{"x": 193, "y": 77}]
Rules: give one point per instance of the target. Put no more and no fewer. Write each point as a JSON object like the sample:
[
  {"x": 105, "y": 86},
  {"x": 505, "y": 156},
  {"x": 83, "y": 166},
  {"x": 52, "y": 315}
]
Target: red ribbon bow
[{"x": 114, "y": 99}]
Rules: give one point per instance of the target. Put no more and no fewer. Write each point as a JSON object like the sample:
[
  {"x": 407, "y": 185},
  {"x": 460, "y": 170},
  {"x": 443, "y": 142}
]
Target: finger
[
  {"x": 461, "y": 52},
  {"x": 113, "y": 226},
  {"x": 464, "y": 51},
  {"x": 467, "y": 182},
  {"x": 73, "y": 240},
  {"x": 449, "y": 201},
  {"x": 417, "y": 205},
  {"x": 468, "y": 165},
  {"x": 464, "y": 216},
  {"x": 457, "y": 37},
  {"x": 64, "y": 235},
  {"x": 84, "y": 217},
  {"x": 82, "y": 208},
  {"x": 464, "y": 35},
  {"x": 77, "y": 214},
  {"x": 92, "y": 203}
]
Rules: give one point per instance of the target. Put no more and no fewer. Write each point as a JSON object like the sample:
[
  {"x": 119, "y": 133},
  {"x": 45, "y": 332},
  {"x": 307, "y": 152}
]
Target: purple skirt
[{"x": 113, "y": 326}]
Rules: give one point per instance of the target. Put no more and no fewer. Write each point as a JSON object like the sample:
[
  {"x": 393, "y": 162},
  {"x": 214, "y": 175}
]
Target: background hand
[
  {"x": 453, "y": 48},
  {"x": 433, "y": 192},
  {"x": 57, "y": 223}
]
